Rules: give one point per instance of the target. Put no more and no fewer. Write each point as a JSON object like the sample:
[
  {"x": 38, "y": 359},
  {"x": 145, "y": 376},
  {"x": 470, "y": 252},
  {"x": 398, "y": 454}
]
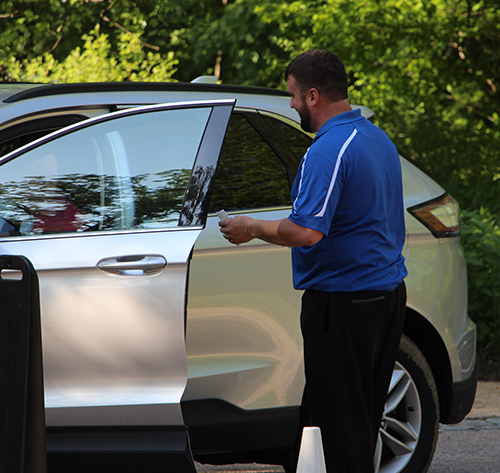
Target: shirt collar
[{"x": 341, "y": 119}]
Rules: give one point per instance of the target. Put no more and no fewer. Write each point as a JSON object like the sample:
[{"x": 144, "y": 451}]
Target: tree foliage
[
  {"x": 96, "y": 62},
  {"x": 481, "y": 236}
]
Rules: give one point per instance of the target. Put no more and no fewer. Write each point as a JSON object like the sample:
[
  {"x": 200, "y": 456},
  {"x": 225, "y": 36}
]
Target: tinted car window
[
  {"x": 297, "y": 141},
  {"x": 250, "y": 173},
  {"x": 289, "y": 142},
  {"x": 115, "y": 175}
]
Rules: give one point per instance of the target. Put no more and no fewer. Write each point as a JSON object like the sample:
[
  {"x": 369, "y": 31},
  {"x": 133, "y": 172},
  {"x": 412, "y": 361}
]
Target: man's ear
[{"x": 313, "y": 96}]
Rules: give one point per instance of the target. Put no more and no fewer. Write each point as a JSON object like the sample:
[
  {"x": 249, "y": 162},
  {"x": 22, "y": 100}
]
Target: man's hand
[
  {"x": 283, "y": 232},
  {"x": 236, "y": 230}
]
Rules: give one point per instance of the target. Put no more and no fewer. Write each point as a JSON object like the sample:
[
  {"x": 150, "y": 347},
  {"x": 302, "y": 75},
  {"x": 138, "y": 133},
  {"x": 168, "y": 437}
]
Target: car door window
[
  {"x": 250, "y": 173},
  {"x": 116, "y": 175}
]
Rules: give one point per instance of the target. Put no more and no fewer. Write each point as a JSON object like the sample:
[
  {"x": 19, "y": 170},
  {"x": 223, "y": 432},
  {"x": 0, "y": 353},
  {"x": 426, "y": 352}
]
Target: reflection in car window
[
  {"x": 250, "y": 174},
  {"x": 121, "y": 174}
]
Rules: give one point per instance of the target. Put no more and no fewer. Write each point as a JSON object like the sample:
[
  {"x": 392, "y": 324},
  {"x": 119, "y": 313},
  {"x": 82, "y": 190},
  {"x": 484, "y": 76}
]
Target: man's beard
[{"x": 305, "y": 119}]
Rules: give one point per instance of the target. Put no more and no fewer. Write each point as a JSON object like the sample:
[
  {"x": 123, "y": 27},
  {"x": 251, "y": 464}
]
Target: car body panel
[
  {"x": 244, "y": 344},
  {"x": 437, "y": 272},
  {"x": 451, "y": 305},
  {"x": 96, "y": 324}
]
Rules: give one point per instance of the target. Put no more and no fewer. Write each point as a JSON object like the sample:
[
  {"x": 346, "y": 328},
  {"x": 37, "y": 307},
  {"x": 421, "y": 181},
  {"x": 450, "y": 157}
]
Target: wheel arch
[{"x": 430, "y": 343}]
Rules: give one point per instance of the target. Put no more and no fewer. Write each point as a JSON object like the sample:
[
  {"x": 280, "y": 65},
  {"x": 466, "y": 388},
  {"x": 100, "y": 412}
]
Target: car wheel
[{"x": 409, "y": 428}]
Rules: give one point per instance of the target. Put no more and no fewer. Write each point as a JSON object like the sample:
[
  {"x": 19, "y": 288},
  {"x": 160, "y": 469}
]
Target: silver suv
[{"x": 159, "y": 337}]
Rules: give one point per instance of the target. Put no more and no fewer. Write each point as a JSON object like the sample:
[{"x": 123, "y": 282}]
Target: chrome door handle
[{"x": 133, "y": 264}]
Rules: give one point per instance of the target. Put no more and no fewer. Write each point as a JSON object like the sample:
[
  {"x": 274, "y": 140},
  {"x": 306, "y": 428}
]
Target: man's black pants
[{"x": 350, "y": 346}]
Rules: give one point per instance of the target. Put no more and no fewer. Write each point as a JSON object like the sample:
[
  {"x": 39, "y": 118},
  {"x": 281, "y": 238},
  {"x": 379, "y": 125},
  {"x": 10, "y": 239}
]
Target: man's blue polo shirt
[{"x": 349, "y": 187}]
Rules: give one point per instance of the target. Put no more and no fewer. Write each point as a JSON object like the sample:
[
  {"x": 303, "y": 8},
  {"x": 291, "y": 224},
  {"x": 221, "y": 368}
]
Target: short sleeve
[{"x": 317, "y": 190}]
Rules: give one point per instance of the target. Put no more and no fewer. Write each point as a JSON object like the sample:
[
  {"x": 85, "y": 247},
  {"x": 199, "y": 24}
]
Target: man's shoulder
[
  {"x": 333, "y": 137},
  {"x": 370, "y": 131}
]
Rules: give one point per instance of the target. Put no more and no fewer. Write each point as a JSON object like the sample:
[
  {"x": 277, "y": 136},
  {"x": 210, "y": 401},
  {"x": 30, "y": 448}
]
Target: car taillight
[{"x": 441, "y": 216}]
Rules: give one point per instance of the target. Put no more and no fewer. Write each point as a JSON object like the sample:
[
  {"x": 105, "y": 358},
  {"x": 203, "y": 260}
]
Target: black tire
[{"x": 409, "y": 429}]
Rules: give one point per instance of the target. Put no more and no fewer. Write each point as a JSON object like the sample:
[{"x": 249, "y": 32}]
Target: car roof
[
  {"x": 12, "y": 93},
  {"x": 29, "y": 91}
]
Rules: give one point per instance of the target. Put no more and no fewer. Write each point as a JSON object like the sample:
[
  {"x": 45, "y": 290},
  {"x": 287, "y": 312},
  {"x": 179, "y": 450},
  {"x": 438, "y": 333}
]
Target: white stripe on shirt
[
  {"x": 335, "y": 172},
  {"x": 301, "y": 176}
]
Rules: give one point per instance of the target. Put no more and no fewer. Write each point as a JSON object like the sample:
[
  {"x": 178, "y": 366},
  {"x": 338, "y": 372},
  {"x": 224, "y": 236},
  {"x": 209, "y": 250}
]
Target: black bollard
[{"x": 22, "y": 414}]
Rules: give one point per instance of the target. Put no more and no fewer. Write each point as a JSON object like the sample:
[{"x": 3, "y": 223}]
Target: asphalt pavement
[{"x": 472, "y": 446}]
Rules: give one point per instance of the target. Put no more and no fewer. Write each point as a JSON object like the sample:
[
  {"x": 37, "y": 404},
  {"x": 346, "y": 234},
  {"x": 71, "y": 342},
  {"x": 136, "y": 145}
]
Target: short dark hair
[{"x": 322, "y": 70}]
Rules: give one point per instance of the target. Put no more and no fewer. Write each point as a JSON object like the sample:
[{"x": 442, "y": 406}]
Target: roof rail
[{"x": 90, "y": 87}]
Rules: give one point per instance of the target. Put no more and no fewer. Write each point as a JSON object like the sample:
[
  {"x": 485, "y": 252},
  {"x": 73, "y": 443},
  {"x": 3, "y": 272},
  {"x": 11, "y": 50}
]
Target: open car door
[{"x": 108, "y": 211}]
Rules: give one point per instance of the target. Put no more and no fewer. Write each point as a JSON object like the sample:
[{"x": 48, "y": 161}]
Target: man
[{"x": 346, "y": 230}]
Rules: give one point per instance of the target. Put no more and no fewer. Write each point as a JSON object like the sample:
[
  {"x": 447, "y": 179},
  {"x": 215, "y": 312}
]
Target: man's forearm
[
  {"x": 267, "y": 230},
  {"x": 283, "y": 232}
]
